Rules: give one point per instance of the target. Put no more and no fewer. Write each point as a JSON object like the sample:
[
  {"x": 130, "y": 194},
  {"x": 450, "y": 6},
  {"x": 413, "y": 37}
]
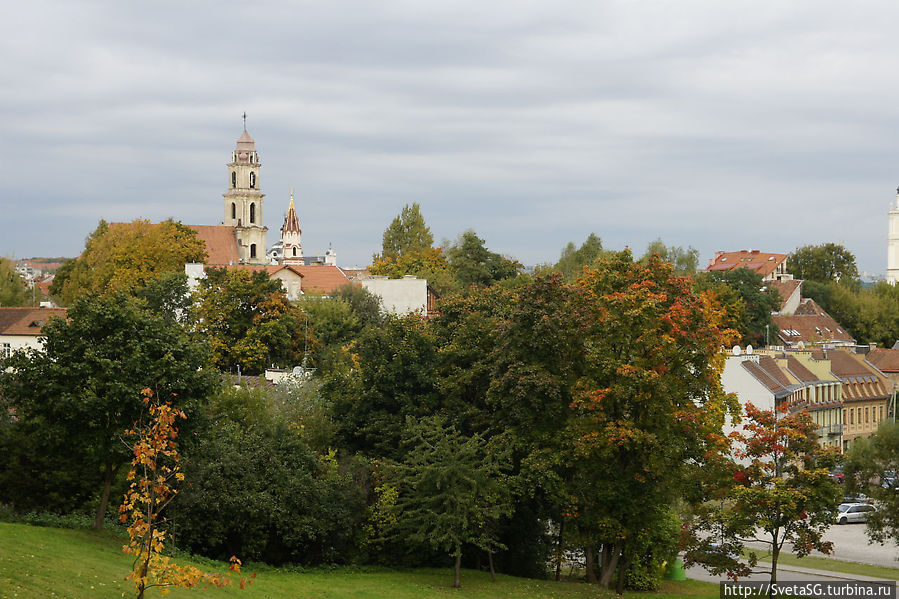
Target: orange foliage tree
[{"x": 154, "y": 472}]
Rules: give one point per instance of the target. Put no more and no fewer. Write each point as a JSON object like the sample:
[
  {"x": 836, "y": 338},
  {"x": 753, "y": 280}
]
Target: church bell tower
[
  {"x": 243, "y": 201},
  {"x": 893, "y": 244}
]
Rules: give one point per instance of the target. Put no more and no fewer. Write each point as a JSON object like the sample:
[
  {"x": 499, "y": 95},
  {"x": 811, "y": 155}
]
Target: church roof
[
  {"x": 291, "y": 222},
  {"x": 27, "y": 321},
  {"x": 221, "y": 243},
  {"x": 245, "y": 142}
]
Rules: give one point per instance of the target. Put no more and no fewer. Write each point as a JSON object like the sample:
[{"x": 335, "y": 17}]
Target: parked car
[
  {"x": 860, "y": 498},
  {"x": 888, "y": 479},
  {"x": 854, "y": 512},
  {"x": 837, "y": 475}
]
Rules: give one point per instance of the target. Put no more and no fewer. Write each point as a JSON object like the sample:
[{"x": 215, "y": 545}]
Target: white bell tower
[
  {"x": 243, "y": 200},
  {"x": 893, "y": 244}
]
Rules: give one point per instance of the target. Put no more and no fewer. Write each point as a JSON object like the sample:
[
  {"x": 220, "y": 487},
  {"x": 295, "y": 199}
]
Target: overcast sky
[{"x": 721, "y": 125}]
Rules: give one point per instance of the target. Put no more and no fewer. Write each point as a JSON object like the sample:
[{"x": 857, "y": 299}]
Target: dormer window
[
  {"x": 252, "y": 180},
  {"x": 233, "y": 179}
]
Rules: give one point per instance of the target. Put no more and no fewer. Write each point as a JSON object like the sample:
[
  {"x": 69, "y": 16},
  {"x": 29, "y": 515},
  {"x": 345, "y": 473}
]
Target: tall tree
[
  {"x": 82, "y": 390},
  {"x": 126, "y": 256},
  {"x": 474, "y": 264},
  {"x": 406, "y": 234},
  {"x": 12, "y": 286},
  {"x": 825, "y": 262},
  {"x": 573, "y": 259},
  {"x": 684, "y": 260}
]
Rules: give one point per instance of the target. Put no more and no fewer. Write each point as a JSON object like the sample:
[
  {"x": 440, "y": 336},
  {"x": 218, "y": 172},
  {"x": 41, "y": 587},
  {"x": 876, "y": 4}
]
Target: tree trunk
[
  {"x": 559, "y": 551},
  {"x": 492, "y": 571},
  {"x": 609, "y": 565},
  {"x": 104, "y": 498},
  {"x": 457, "y": 575},
  {"x": 622, "y": 572},
  {"x": 588, "y": 558}
]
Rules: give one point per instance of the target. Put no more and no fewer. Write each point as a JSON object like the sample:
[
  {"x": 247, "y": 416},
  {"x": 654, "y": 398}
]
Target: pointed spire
[{"x": 291, "y": 222}]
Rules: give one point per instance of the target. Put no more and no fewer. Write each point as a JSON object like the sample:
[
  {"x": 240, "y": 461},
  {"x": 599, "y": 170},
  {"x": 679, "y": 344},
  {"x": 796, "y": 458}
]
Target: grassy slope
[{"x": 49, "y": 562}]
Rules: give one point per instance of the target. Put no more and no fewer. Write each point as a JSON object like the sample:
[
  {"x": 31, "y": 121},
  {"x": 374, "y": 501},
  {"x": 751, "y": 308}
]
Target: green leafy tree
[
  {"x": 573, "y": 259},
  {"x": 81, "y": 391},
  {"x": 684, "y": 260},
  {"x": 825, "y": 262},
  {"x": 408, "y": 233},
  {"x": 247, "y": 321},
  {"x": 748, "y": 303},
  {"x": 365, "y": 304},
  {"x": 473, "y": 264},
  {"x": 451, "y": 490},
  {"x": 780, "y": 492},
  {"x": 12, "y": 286},
  {"x": 430, "y": 264},
  {"x": 126, "y": 256},
  {"x": 870, "y": 468}
]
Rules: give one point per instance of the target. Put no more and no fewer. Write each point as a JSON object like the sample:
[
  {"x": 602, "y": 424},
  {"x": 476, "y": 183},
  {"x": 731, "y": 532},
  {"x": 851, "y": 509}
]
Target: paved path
[{"x": 784, "y": 574}]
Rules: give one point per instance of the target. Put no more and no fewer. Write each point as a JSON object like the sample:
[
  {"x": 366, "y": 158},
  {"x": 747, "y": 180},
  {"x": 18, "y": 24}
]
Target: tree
[
  {"x": 868, "y": 467},
  {"x": 12, "y": 286},
  {"x": 430, "y": 264},
  {"x": 365, "y": 304},
  {"x": 247, "y": 321},
  {"x": 125, "y": 256},
  {"x": 474, "y": 264},
  {"x": 573, "y": 259},
  {"x": 683, "y": 260},
  {"x": 780, "y": 492},
  {"x": 407, "y": 233},
  {"x": 825, "y": 262},
  {"x": 155, "y": 472},
  {"x": 747, "y": 302},
  {"x": 80, "y": 392},
  {"x": 451, "y": 490}
]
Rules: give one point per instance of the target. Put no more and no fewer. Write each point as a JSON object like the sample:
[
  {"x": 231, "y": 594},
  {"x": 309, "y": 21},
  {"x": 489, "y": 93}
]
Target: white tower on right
[{"x": 893, "y": 244}]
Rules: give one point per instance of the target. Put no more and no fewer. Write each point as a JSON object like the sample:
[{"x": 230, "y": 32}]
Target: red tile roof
[
  {"x": 762, "y": 263},
  {"x": 321, "y": 279},
  {"x": 221, "y": 244},
  {"x": 885, "y": 360},
  {"x": 810, "y": 324},
  {"x": 785, "y": 289},
  {"x": 27, "y": 321},
  {"x": 860, "y": 381},
  {"x": 799, "y": 370}
]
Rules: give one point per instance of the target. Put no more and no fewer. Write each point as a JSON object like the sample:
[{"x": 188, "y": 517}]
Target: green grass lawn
[{"x": 38, "y": 562}]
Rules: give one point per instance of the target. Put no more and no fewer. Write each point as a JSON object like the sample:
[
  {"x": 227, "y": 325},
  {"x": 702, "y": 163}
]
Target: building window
[
  {"x": 233, "y": 211},
  {"x": 874, "y": 414},
  {"x": 881, "y": 413},
  {"x": 233, "y": 179},
  {"x": 252, "y": 250},
  {"x": 851, "y": 416},
  {"x": 252, "y": 180},
  {"x": 252, "y": 213},
  {"x": 866, "y": 415},
  {"x": 294, "y": 251},
  {"x": 5, "y": 350}
]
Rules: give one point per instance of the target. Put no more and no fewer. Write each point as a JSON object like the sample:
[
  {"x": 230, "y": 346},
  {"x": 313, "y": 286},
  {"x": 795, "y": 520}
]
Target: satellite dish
[
  {"x": 748, "y": 350},
  {"x": 800, "y": 345},
  {"x": 736, "y": 350}
]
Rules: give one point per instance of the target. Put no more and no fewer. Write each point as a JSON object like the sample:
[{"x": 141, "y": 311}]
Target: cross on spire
[{"x": 244, "y": 120}]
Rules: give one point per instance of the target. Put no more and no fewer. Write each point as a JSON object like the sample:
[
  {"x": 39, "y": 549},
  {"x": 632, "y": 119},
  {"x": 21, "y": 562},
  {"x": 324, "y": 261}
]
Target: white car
[{"x": 854, "y": 512}]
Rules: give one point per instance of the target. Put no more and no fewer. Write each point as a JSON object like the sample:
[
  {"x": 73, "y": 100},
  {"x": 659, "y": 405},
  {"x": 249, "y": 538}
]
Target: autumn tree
[
  {"x": 822, "y": 263},
  {"x": 407, "y": 234},
  {"x": 429, "y": 263},
  {"x": 125, "y": 256},
  {"x": 780, "y": 492},
  {"x": 247, "y": 321},
  {"x": 12, "y": 286},
  {"x": 154, "y": 476},
  {"x": 80, "y": 392},
  {"x": 451, "y": 490}
]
